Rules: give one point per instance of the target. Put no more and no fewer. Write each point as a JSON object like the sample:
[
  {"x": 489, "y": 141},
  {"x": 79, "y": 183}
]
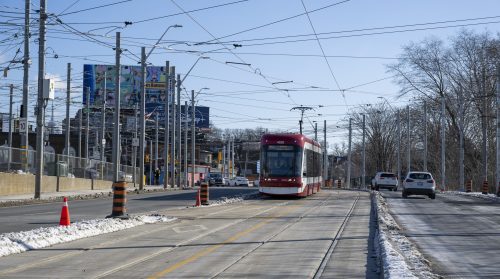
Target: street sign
[
  {"x": 103, "y": 141},
  {"x": 135, "y": 142},
  {"x": 22, "y": 125}
]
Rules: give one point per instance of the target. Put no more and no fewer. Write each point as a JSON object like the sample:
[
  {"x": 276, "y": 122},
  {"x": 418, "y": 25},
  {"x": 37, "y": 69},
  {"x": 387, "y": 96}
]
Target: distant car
[
  {"x": 385, "y": 180},
  {"x": 215, "y": 179},
  {"x": 419, "y": 183},
  {"x": 238, "y": 181}
]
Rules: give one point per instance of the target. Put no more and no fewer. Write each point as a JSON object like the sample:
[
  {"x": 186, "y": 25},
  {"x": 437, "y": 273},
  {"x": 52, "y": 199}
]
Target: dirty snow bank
[
  {"x": 17, "y": 242},
  {"x": 399, "y": 257},
  {"x": 478, "y": 195}
]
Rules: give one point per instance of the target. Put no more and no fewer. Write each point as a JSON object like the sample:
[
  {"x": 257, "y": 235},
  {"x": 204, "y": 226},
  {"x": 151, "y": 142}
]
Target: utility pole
[
  {"x": 80, "y": 124},
  {"x": 364, "y": 154},
  {"x": 349, "y": 157},
  {"x": 26, "y": 64},
  {"x": 399, "y": 148},
  {"x": 156, "y": 140},
  {"x": 179, "y": 127},
  {"x": 316, "y": 131},
  {"x": 461, "y": 154},
  {"x": 325, "y": 155},
  {"x": 232, "y": 160},
  {"x": 302, "y": 109},
  {"x": 116, "y": 132},
  {"x": 103, "y": 124},
  {"x": 425, "y": 135},
  {"x": 223, "y": 161},
  {"x": 134, "y": 149},
  {"x": 409, "y": 138},
  {"x": 68, "y": 103},
  {"x": 174, "y": 127},
  {"x": 87, "y": 129},
  {"x": 40, "y": 119},
  {"x": 443, "y": 146},
  {"x": 186, "y": 144},
  {"x": 142, "y": 120},
  {"x": 151, "y": 178},
  {"x": 193, "y": 139},
  {"x": 11, "y": 95},
  {"x": 497, "y": 105},
  {"x": 166, "y": 141}
]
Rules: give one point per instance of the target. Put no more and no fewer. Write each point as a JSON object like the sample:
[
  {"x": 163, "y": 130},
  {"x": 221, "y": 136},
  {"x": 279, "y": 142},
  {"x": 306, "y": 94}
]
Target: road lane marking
[
  {"x": 215, "y": 247},
  {"x": 189, "y": 228}
]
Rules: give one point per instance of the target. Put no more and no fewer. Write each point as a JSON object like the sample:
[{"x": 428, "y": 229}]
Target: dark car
[{"x": 214, "y": 179}]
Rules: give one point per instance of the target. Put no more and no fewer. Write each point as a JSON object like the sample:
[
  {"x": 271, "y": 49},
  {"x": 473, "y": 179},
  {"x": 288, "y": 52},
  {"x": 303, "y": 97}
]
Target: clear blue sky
[{"x": 244, "y": 96}]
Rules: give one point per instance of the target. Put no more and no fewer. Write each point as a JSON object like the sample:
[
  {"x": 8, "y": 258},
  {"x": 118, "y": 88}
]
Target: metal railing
[{"x": 15, "y": 160}]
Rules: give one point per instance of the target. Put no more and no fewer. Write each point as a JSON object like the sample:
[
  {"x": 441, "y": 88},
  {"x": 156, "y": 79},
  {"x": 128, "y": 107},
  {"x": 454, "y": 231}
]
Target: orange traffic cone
[
  {"x": 198, "y": 203},
  {"x": 64, "y": 221}
]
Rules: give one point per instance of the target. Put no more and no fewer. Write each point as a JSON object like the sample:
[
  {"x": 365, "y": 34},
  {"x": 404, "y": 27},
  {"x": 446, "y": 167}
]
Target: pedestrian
[{"x": 157, "y": 176}]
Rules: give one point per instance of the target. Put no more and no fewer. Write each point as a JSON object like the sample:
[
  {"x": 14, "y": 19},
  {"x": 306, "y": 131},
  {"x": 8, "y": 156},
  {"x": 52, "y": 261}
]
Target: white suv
[
  {"x": 419, "y": 183},
  {"x": 385, "y": 180}
]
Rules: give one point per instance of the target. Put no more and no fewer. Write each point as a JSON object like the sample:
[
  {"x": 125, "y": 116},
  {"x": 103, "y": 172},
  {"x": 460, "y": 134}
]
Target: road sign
[
  {"x": 103, "y": 141},
  {"x": 22, "y": 125}
]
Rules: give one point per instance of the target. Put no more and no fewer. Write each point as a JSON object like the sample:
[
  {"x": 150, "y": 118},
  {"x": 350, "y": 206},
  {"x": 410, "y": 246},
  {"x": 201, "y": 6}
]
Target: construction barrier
[
  {"x": 65, "y": 220},
  {"x": 198, "y": 202},
  {"x": 468, "y": 186},
  {"x": 485, "y": 187},
  {"x": 204, "y": 193},
  {"x": 119, "y": 200},
  {"x": 339, "y": 183}
]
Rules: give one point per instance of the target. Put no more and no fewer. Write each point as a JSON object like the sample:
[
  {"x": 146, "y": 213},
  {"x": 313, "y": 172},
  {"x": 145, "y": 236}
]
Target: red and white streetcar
[{"x": 290, "y": 165}]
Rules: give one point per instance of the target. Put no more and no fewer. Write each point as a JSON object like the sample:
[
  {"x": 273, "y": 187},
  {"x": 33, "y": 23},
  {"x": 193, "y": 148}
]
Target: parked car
[
  {"x": 214, "y": 178},
  {"x": 238, "y": 181},
  {"x": 419, "y": 183},
  {"x": 385, "y": 180}
]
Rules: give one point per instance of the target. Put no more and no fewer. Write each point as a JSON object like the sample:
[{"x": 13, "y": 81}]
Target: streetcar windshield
[{"x": 280, "y": 161}]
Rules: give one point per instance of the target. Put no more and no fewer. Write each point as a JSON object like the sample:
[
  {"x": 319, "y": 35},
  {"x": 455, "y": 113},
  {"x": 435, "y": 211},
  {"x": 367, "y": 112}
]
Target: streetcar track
[
  {"x": 183, "y": 243},
  {"x": 100, "y": 245},
  {"x": 335, "y": 240},
  {"x": 269, "y": 239}
]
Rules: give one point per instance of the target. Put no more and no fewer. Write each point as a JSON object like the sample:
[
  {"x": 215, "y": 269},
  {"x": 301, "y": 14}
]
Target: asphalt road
[
  {"x": 327, "y": 235},
  {"x": 23, "y": 218},
  {"x": 459, "y": 235}
]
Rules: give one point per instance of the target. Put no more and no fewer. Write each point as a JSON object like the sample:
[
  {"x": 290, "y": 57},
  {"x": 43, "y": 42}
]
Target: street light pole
[
  {"x": 186, "y": 169},
  {"x": 349, "y": 157},
  {"x": 425, "y": 135},
  {"x": 142, "y": 120},
  {"x": 41, "y": 103},
  {"x": 364, "y": 154},
  {"x": 193, "y": 139},
  {"x": 26, "y": 65},
  {"x": 166, "y": 142},
  {"x": 116, "y": 131}
]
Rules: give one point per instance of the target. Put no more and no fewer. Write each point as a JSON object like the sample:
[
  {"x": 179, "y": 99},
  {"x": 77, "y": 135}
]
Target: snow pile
[
  {"x": 478, "y": 195},
  {"x": 17, "y": 242},
  {"x": 229, "y": 200},
  {"x": 400, "y": 258}
]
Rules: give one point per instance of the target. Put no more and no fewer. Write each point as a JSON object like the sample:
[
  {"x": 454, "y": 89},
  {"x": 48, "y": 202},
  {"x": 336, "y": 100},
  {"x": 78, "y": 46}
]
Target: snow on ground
[
  {"x": 479, "y": 195},
  {"x": 400, "y": 258},
  {"x": 229, "y": 200},
  {"x": 17, "y": 242}
]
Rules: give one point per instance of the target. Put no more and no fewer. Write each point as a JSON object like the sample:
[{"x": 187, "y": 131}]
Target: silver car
[{"x": 419, "y": 183}]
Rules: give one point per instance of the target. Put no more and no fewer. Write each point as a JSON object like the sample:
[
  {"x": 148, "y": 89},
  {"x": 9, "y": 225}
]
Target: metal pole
[
  {"x": 166, "y": 141},
  {"x": 80, "y": 124},
  {"x": 364, "y": 154},
  {"x": 151, "y": 178},
  {"x": 179, "y": 127},
  {"x": 11, "y": 95},
  {"x": 232, "y": 160},
  {"x": 142, "y": 122},
  {"x": 173, "y": 157},
  {"x": 103, "y": 124},
  {"x": 26, "y": 65},
  {"x": 443, "y": 146},
  {"x": 185, "y": 144},
  {"x": 87, "y": 129},
  {"x": 497, "y": 105},
  {"x": 193, "y": 139},
  {"x": 325, "y": 155},
  {"x": 461, "y": 154},
  {"x": 349, "y": 157},
  {"x": 40, "y": 119},
  {"x": 134, "y": 150},
  {"x": 316, "y": 131},
  {"x": 116, "y": 132},
  {"x": 425, "y": 135},
  {"x": 399, "y": 148},
  {"x": 409, "y": 139},
  {"x": 485, "y": 138},
  {"x": 223, "y": 172},
  {"x": 156, "y": 141},
  {"x": 68, "y": 103}
]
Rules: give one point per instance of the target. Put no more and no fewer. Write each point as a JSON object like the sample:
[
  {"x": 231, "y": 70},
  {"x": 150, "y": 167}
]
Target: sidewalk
[{"x": 12, "y": 200}]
